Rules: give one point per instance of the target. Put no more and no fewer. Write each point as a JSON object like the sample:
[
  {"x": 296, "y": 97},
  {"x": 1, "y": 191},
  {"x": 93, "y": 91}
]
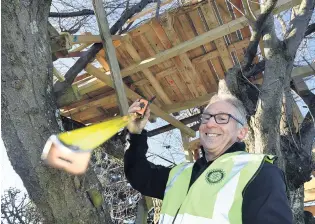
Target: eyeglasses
[{"x": 221, "y": 118}]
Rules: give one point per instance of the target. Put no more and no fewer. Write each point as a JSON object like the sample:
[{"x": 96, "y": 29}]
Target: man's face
[{"x": 217, "y": 138}]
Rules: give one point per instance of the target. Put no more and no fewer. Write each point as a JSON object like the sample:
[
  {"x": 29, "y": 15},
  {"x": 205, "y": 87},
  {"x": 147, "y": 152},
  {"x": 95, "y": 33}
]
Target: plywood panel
[
  {"x": 211, "y": 23},
  {"x": 238, "y": 3},
  {"x": 183, "y": 81}
]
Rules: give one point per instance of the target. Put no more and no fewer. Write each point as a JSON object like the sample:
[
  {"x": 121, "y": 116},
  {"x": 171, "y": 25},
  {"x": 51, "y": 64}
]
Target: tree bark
[{"x": 28, "y": 116}]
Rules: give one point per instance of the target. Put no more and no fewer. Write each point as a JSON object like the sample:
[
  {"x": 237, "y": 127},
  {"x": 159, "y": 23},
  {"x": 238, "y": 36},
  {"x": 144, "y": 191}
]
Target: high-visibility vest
[{"x": 216, "y": 197}]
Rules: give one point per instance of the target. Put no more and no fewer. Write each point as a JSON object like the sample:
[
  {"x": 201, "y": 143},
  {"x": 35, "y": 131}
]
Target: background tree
[{"x": 16, "y": 207}]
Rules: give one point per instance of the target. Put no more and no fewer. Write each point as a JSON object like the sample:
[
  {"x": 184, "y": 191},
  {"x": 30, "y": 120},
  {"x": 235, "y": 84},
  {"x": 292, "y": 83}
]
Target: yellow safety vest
[{"x": 216, "y": 196}]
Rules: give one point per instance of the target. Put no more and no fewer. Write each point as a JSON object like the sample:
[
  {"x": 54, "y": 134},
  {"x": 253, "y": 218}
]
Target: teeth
[{"x": 212, "y": 135}]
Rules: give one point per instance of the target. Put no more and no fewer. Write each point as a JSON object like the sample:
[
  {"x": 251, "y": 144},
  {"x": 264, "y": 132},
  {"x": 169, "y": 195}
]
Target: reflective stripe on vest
[{"x": 216, "y": 196}]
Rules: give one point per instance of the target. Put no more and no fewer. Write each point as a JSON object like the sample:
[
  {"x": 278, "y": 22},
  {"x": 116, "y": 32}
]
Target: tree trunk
[{"x": 28, "y": 116}]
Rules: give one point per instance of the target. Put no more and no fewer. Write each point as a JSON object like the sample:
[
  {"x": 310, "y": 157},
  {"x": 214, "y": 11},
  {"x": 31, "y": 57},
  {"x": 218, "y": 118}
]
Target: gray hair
[{"x": 236, "y": 103}]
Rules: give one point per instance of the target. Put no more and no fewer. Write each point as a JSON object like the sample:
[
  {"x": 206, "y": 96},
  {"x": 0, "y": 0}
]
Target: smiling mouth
[{"x": 212, "y": 135}]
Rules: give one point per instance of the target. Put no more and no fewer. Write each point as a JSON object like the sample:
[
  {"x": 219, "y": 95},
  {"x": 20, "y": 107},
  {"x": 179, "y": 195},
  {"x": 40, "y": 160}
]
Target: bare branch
[
  {"x": 282, "y": 23},
  {"x": 298, "y": 26},
  {"x": 83, "y": 12},
  {"x": 81, "y": 63},
  {"x": 310, "y": 29}
]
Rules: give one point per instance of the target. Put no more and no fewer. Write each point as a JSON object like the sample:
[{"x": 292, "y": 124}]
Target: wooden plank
[
  {"x": 185, "y": 142},
  {"x": 91, "y": 39},
  {"x": 208, "y": 56},
  {"x": 107, "y": 102},
  {"x": 58, "y": 75},
  {"x": 225, "y": 16},
  {"x": 182, "y": 86},
  {"x": 82, "y": 46},
  {"x": 134, "y": 96},
  {"x": 100, "y": 57},
  {"x": 111, "y": 56},
  {"x": 139, "y": 30},
  {"x": 186, "y": 66},
  {"x": 187, "y": 30},
  {"x": 147, "y": 73},
  {"x": 213, "y": 64},
  {"x": 165, "y": 73},
  {"x": 197, "y": 41},
  {"x": 310, "y": 209},
  {"x": 303, "y": 71},
  {"x": 90, "y": 86},
  {"x": 215, "y": 61},
  {"x": 94, "y": 84},
  {"x": 199, "y": 101},
  {"x": 87, "y": 114},
  {"x": 309, "y": 195},
  {"x": 239, "y": 45},
  {"x": 147, "y": 11},
  {"x": 167, "y": 82},
  {"x": 211, "y": 20},
  {"x": 141, "y": 82},
  {"x": 238, "y": 3}
]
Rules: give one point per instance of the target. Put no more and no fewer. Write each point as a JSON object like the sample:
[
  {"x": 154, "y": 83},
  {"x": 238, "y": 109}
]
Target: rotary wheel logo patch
[{"x": 215, "y": 176}]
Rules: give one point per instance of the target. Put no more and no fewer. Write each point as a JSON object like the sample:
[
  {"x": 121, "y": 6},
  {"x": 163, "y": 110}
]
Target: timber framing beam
[
  {"x": 204, "y": 38},
  {"x": 147, "y": 73},
  {"x": 199, "y": 101},
  {"x": 78, "y": 90},
  {"x": 169, "y": 127},
  {"x": 109, "y": 49},
  {"x": 91, "y": 39},
  {"x": 303, "y": 71},
  {"x": 134, "y": 96}
]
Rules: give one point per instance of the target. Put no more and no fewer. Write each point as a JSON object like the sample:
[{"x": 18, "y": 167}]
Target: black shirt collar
[{"x": 237, "y": 146}]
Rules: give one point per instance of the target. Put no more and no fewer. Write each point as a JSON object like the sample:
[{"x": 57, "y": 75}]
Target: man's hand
[{"x": 137, "y": 125}]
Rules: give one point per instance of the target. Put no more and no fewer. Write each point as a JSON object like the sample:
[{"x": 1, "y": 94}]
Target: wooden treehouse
[{"x": 179, "y": 57}]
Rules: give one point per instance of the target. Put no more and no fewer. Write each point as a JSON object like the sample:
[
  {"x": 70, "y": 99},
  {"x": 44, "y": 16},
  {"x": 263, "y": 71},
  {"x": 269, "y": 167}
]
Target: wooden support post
[
  {"x": 134, "y": 96},
  {"x": 188, "y": 153},
  {"x": 111, "y": 55},
  {"x": 147, "y": 73}
]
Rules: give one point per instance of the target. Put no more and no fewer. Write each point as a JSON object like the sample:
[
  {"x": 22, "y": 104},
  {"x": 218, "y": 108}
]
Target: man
[{"x": 226, "y": 185}]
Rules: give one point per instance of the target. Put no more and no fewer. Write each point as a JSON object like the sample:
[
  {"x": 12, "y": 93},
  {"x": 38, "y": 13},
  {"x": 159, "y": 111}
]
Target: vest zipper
[
  {"x": 253, "y": 177},
  {"x": 177, "y": 213}
]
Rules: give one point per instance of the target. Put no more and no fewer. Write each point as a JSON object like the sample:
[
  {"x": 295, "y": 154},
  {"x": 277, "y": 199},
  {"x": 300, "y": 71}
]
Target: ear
[{"x": 242, "y": 133}]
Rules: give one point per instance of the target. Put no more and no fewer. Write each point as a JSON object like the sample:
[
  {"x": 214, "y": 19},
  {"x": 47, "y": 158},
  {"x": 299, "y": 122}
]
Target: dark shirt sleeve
[
  {"x": 147, "y": 178},
  {"x": 265, "y": 200}
]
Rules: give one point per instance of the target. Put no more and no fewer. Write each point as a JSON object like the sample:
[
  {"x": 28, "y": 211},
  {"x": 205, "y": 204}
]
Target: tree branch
[
  {"x": 83, "y": 12},
  {"x": 298, "y": 26},
  {"x": 81, "y": 63},
  {"x": 310, "y": 29}
]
